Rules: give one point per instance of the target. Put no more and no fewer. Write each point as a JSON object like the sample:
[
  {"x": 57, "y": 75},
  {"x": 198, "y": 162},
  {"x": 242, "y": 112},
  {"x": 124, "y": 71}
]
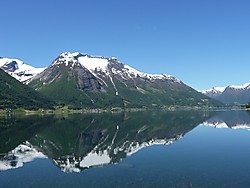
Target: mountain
[
  {"x": 230, "y": 94},
  {"x": 14, "y": 94},
  {"x": 91, "y": 81},
  {"x": 18, "y": 69},
  {"x": 214, "y": 92}
]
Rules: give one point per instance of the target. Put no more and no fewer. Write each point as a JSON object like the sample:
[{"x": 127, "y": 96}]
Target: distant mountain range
[
  {"x": 80, "y": 80},
  {"x": 230, "y": 94}
]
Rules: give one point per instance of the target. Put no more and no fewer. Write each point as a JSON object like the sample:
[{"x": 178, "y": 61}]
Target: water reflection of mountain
[
  {"x": 20, "y": 155},
  {"x": 82, "y": 141},
  {"x": 230, "y": 119}
]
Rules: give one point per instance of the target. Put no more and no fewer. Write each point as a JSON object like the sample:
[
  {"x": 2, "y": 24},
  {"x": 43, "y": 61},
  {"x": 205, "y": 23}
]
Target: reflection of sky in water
[{"x": 204, "y": 157}]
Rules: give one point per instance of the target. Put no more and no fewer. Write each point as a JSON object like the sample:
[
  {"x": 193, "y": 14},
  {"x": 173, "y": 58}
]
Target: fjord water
[{"x": 142, "y": 149}]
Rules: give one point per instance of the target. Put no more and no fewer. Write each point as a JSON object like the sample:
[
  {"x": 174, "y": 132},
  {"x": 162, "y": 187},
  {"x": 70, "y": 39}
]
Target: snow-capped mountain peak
[
  {"x": 214, "y": 92},
  {"x": 243, "y": 86},
  {"x": 65, "y": 58},
  {"x": 219, "y": 90},
  {"x": 18, "y": 69},
  {"x": 100, "y": 64},
  {"x": 95, "y": 64},
  {"x": 92, "y": 63}
]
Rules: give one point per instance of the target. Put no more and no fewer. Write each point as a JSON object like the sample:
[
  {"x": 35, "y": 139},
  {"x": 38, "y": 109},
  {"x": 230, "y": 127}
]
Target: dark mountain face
[
  {"x": 89, "y": 81},
  {"x": 14, "y": 94},
  {"x": 12, "y": 66}
]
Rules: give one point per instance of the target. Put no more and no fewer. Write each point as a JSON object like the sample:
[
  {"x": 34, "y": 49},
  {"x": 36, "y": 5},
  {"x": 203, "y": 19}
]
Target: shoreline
[{"x": 64, "y": 110}]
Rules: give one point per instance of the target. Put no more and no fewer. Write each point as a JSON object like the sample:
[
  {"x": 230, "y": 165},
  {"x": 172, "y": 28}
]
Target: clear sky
[{"x": 204, "y": 43}]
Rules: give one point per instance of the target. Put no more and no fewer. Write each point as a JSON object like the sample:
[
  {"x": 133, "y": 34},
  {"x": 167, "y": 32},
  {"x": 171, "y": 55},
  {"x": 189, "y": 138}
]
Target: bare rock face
[{"x": 11, "y": 66}]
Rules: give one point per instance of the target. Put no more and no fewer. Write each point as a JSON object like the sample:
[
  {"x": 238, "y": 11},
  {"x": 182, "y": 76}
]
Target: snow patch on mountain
[
  {"x": 94, "y": 63},
  {"x": 95, "y": 159}
]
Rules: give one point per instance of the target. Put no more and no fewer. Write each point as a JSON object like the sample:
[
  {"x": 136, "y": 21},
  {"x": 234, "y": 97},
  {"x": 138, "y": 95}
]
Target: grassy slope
[
  {"x": 163, "y": 95},
  {"x": 66, "y": 91},
  {"x": 14, "y": 94}
]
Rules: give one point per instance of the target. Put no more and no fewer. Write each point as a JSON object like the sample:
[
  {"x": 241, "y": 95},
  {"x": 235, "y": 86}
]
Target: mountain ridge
[
  {"x": 232, "y": 94},
  {"x": 99, "y": 81}
]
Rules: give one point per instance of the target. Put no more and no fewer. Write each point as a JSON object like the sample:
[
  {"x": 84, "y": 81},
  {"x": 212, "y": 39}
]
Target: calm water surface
[{"x": 144, "y": 149}]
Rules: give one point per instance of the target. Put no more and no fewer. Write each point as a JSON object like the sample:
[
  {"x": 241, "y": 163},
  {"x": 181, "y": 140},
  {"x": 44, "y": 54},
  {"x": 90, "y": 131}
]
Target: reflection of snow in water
[
  {"x": 16, "y": 158},
  {"x": 98, "y": 158},
  {"x": 26, "y": 152},
  {"x": 222, "y": 124},
  {"x": 95, "y": 159}
]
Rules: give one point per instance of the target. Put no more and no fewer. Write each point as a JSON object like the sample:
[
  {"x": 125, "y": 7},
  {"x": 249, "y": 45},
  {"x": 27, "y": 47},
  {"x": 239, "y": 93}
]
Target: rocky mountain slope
[{"x": 90, "y": 81}]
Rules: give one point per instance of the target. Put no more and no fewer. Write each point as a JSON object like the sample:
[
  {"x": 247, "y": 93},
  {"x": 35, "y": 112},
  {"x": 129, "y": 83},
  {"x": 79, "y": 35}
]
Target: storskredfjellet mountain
[
  {"x": 14, "y": 94},
  {"x": 82, "y": 80}
]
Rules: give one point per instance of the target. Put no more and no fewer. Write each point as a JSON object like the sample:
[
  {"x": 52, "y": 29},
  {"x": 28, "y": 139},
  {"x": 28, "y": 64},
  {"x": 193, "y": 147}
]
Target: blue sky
[{"x": 205, "y": 43}]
